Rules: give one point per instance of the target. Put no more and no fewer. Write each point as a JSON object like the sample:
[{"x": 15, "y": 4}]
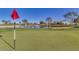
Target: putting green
[
  {"x": 8, "y": 37},
  {"x": 42, "y": 40}
]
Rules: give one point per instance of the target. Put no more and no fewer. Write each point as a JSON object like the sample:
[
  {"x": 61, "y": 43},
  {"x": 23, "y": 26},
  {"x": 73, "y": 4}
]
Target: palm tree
[
  {"x": 49, "y": 21},
  {"x": 71, "y": 16},
  {"x": 25, "y": 22},
  {"x": 5, "y": 22}
]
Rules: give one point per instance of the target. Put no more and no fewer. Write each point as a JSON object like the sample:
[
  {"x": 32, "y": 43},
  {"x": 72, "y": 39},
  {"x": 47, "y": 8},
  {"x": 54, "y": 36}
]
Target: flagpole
[
  {"x": 14, "y": 35},
  {"x": 15, "y": 16}
]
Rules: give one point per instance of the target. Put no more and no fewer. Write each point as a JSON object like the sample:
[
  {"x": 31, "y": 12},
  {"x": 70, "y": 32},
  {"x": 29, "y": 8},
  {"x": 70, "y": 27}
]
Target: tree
[
  {"x": 42, "y": 24},
  {"x": 76, "y": 21},
  {"x": 70, "y": 16},
  {"x": 61, "y": 23},
  {"x": 25, "y": 22},
  {"x": 49, "y": 21},
  {"x": 5, "y": 21}
]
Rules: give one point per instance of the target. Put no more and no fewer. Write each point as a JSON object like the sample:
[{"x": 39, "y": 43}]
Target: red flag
[{"x": 14, "y": 14}]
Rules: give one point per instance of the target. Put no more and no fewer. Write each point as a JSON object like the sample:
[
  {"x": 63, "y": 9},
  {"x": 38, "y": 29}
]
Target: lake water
[{"x": 17, "y": 26}]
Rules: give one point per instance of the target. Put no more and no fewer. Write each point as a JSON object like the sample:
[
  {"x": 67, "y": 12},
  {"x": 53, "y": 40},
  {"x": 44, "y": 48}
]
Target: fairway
[{"x": 42, "y": 40}]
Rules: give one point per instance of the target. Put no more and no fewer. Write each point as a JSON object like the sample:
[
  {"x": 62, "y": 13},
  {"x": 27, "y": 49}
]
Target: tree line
[{"x": 71, "y": 17}]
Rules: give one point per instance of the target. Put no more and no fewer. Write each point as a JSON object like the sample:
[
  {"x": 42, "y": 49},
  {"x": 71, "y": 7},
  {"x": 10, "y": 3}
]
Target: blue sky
[{"x": 36, "y": 14}]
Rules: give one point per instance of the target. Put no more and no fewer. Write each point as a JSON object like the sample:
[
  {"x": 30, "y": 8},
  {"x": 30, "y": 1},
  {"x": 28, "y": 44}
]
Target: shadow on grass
[{"x": 7, "y": 43}]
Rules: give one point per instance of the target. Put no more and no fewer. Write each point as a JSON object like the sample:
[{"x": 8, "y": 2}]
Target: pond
[{"x": 20, "y": 26}]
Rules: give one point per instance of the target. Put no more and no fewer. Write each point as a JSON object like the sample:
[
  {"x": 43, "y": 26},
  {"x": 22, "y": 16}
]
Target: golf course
[{"x": 40, "y": 40}]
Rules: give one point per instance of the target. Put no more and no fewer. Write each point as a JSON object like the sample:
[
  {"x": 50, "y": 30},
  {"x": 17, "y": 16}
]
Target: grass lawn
[{"x": 42, "y": 40}]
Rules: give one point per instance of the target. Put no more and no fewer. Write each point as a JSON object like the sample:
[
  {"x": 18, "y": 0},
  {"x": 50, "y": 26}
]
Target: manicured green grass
[
  {"x": 8, "y": 37},
  {"x": 42, "y": 40}
]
